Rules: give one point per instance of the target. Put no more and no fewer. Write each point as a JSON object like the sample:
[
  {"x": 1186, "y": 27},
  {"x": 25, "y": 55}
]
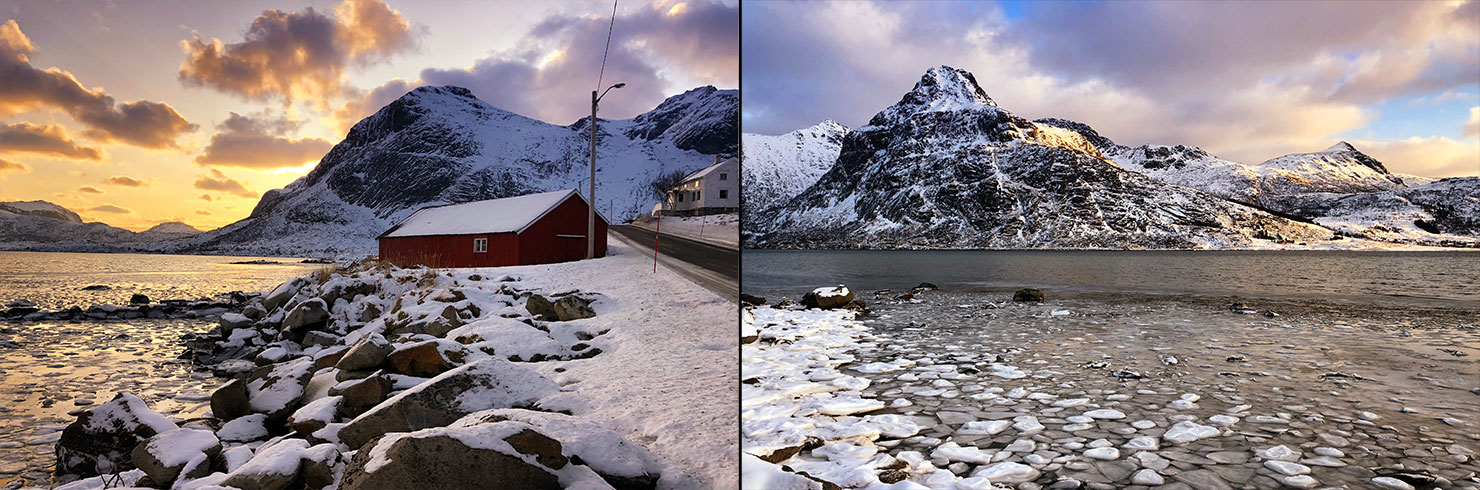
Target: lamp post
[{"x": 591, "y": 202}]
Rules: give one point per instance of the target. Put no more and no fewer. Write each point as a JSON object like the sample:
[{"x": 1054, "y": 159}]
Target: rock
[
  {"x": 246, "y": 428},
  {"x": 541, "y": 308},
  {"x": 752, "y": 300},
  {"x": 96, "y": 287},
  {"x": 317, "y": 464},
  {"x": 167, "y": 453},
  {"x": 925, "y": 286},
  {"x": 1186, "y": 431},
  {"x": 315, "y": 415},
  {"x": 535, "y": 456},
  {"x": 308, "y": 315},
  {"x": 232, "y": 321},
  {"x": 426, "y": 359},
  {"x": 1105, "y": 414},
  {"x": 827, "y": 298},
  {"x": 485, "y": 384},
  {"x": 1028, "y": 294},
  {"x": 1391, "y": 483},
  {"x": 358, "y": 396},
  {"x": 315, "y": 338},
  {"x": 138, "y": 299},
  {"x": 276, "y": 389},
  {"x": 102, "y": 438},
  {"x": 284, "y": 292},
  {"x": 1287, "y": 468},
  {"x": 367, "y": 353},
  {"x": 573, "y": 308},
  {"x": 1300, "y": 481},
  {"x": 273, "y": 467},
  {"x": 1278, "y": 453},
  {"x": 1103, "y": 453}
]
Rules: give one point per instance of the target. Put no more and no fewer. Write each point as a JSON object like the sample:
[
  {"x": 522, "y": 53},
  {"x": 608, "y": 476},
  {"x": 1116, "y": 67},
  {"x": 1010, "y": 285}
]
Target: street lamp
[{"x": 591, "y": 202}]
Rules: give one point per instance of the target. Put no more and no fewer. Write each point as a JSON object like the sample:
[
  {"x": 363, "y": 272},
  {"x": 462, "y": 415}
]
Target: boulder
[
  {"x": 102, "y": 438},
  {"x": 367, "y": 353},
  {"x": 925, "y": 286},
  {"x": 426, "y": 359},
  {"x": 827, "y": 298},
  {"x": 752, "y": 300},
  {"x": 485, "y": 384},
  {"x": 541, "y": 308},
  {"x": 138, "y": 299},
  {"x": 276, "y": 390},
  {"x": 315, "y": 338},
  {"x": 308, "y": 315},
  {"x": 357, "y": 396},
  {"x": 246, "y": 428},
  {"x": 232, "y": 321},
  {"x": 315, "y": 415},
  {"x": 538, "y": 450},
  {"x": 573, "y": 308},
  {"x": 165, "y": 455},
  {"x": 1028, "y": 294},
  {"x": 284, "y": 292},
  {"x": 273, "y": 467},
  {"x": 230, "y": 400}
]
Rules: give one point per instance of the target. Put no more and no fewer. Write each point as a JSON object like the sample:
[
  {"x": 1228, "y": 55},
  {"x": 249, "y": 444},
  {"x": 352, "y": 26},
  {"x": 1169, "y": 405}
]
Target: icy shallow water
[
  {"x": 1353, "y": 392},
  {"x": 54, "y": 280},
  {"x": 1398, "y": 278},
  {"x": 51, "y": 371}
]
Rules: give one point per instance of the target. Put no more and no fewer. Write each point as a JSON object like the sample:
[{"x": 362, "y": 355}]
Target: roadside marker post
[{"x": 658, "y": 232}]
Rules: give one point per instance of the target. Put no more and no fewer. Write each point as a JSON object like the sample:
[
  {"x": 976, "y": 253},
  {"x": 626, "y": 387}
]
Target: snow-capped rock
[
  {"x": 440, "y": 145},
  {"x": 777, "y": 168},
  {"x": 948, "y": 168}
]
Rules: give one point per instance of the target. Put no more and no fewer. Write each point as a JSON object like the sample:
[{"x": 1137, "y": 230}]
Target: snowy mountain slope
[
  {"x": 947, "y": 168},
  {"x": 441, "y": 145},
  {"x": 40, "y": 208},
  {"x": 1339, "y": 169},
  {"x": 1443, "y": 213},
  {"x": 40, "y": 225},
  {"x": 777, "y": 168}
]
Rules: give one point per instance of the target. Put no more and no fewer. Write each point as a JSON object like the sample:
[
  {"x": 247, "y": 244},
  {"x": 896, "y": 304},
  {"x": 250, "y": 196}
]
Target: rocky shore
[
  {"x": 380, "y": 378},
  {"x": 967, "y": 390}
]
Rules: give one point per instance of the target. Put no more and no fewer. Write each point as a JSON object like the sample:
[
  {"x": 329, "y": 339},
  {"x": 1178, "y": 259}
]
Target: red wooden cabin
[{"x": 530, "y": 229}]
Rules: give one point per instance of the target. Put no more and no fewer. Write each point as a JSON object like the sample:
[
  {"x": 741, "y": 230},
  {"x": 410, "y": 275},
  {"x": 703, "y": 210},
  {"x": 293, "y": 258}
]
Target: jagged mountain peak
[
  {"x": 1340, "y": 147},
  {"x": 940, "y": 89},
  {"x": 1341, "y": 155},
  {"x": 703, "y": 119}
]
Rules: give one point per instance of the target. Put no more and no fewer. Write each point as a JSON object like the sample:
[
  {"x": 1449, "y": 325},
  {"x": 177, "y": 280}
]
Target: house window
[
  {"x": 724, "y": 176},
  {"x": 480, "y": 245},
  {"x": 680, "y": 196},
  {"x": 724, "y": 194},
  {"x": 696, "y": 195}
]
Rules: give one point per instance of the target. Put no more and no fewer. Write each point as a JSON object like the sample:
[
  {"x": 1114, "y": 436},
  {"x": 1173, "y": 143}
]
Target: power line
[{"x": 608, "y": 45}]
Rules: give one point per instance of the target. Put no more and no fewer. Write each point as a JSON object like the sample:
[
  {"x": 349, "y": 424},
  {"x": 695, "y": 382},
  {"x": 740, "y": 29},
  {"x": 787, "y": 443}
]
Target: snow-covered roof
[
  {"x": 698, "y": 174},
  {"x": 510, "y": 214}
]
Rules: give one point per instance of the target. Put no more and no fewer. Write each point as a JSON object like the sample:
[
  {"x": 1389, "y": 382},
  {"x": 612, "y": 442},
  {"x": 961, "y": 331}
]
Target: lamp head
[{"x": 619, "y": 85}]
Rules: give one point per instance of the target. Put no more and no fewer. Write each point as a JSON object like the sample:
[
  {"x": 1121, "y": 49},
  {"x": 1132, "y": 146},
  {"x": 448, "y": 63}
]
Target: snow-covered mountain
[
  {"x": 41, "y": 225},
  {"x": 441, "y": 145},
  {"x": 945, "y": 167},
  {"x": 777, "y": 168}
]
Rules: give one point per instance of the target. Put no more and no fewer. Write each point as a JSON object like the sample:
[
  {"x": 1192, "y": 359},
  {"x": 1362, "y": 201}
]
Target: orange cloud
[
  {"x": 260, "y": 143},
  {"x": 89, "y": 190},
  {"x": 50, "y": 139},
  {"x": 297, "y": 55},
  {"x": 140, "y": 123},
  {"x": 125, "y": 181},
  {"x": 217, "y": 181},
  {"x": 9, "y": 166},
  {"x": 109, "y": 208}
]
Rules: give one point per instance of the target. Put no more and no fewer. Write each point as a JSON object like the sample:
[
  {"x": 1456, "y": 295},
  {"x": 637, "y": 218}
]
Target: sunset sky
[
  {"x": 1247, "y": 81},
  {"x": 137, "y": 113}
]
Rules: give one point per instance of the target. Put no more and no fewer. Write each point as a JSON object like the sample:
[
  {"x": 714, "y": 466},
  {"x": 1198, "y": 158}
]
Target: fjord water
[
  {"x": 1398, "y": 278},
  {"x": 51, "y": 370}
]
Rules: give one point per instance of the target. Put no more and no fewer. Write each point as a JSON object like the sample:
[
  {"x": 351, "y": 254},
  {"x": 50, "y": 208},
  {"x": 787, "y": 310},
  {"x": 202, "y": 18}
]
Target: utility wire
[{"x": 608, "y": 45}]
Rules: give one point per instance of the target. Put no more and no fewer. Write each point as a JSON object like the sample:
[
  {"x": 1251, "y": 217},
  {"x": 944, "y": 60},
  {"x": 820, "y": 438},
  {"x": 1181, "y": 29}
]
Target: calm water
[
  {"x": 55, "y": 280},
  {"x": 1449, "y": 279}
]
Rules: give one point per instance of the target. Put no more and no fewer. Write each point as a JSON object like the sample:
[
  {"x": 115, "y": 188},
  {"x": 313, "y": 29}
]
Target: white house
[{"x": 711, "y": 190}]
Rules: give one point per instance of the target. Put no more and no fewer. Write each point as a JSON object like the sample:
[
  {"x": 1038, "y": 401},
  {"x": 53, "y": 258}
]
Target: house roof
[
  {"x": 702, "y": 172},
  {"x": 510, "y": 214}
]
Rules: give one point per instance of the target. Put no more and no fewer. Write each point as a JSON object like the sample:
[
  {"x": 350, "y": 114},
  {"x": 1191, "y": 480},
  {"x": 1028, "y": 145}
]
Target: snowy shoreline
[
  {"x": 950, "y": 390},
  {"x": 579, "y": 357}
]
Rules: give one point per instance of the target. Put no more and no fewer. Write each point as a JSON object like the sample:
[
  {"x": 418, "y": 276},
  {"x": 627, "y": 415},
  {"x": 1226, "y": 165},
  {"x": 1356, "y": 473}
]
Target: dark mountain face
[
  {"x": 704, "y": 119},
  {"x": 947, "y": 168}
]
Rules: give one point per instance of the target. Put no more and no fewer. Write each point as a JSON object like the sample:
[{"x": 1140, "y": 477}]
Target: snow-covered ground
[
  {"x": 720, "y": 229},
  {"x": 648, "y": 381}
]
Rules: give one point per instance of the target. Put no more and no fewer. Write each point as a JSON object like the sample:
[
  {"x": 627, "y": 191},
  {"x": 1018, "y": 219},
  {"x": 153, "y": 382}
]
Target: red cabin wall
[
  {"x": 450, "y": 250},
  {"x": 538, "y": 244},
  {"x": 541, "y": 243}
]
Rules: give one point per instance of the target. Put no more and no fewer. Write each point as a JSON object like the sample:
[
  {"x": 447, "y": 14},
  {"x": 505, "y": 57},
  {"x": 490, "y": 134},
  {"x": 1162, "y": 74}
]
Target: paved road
[{"x": 714, "y": 267}]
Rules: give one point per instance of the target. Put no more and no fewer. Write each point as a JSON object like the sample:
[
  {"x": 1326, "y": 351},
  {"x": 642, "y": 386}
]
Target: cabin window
[
  {"x": 480, "y": 245},
  {"x": 724, "y": 176},
  {"x": 724, "y": 194},
  {"x": 680, "y": 196},
  {"x": 696, "y": 195}
]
